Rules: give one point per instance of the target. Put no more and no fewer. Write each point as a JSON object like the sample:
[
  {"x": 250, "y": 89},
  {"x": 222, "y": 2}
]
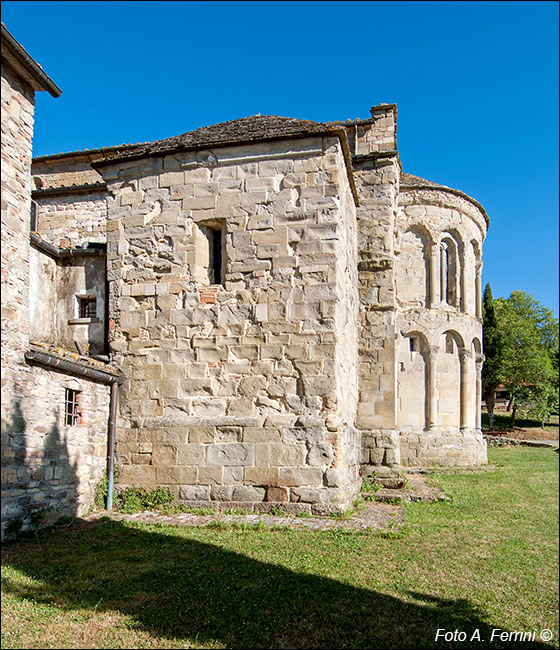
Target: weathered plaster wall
[
  {"x": 43, "y": 281},
  {"x": 81, "y": 277}
]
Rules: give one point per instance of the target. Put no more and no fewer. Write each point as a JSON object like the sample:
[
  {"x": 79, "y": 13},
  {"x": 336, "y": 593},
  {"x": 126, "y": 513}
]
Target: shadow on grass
[{"x": 178, "y": 588}]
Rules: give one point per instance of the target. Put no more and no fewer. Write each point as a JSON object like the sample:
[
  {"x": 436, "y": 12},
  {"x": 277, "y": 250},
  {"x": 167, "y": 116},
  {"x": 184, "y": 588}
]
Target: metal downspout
[{"x": 111, "y": 445}]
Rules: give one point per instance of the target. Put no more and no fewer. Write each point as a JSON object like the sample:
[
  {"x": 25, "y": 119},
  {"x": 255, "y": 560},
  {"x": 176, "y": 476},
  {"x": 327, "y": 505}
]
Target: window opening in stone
[
  {"x": 71, "y": 407},
  {"x": 87, "y": 307},
  {"x": 449, "y": 349},
  {"x": 413, "y": 342},
  {"x": 215, "y": 256}
]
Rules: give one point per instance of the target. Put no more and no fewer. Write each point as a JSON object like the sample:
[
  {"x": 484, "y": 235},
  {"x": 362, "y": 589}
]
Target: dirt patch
[{"x": 522, "y": 433}]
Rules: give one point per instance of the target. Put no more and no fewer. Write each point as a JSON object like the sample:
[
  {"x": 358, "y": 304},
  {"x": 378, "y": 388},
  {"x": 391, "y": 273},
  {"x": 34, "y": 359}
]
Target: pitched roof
[{"x": 242, "y": 130}]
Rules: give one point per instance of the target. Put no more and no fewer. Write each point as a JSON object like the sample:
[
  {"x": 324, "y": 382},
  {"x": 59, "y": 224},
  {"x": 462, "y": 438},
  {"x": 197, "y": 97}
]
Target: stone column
[
  {"x": 434, "y": 275},
  {"x": 479, "y": 359},
  {"x": 464, "y": 356},
  {"x": 431, "y": 388}
]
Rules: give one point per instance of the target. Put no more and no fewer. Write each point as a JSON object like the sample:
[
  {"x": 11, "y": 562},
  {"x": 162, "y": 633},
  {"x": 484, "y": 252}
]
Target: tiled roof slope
[
  {"x": 416, "y": 181},
  {"x": 245, "y": 129},
  {"x": 409, "y": 179}
]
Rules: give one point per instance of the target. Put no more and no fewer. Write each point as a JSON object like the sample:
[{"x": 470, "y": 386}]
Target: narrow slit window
[
  {"x": 216, "y": 256},
  {"x": 87, "y": 307},
  {"x": 71, "y": 407},
  {"x": 413, "y": 342}
]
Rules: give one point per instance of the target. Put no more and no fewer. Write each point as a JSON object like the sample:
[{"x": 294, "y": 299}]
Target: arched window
[{"x": 448, "y": 272}]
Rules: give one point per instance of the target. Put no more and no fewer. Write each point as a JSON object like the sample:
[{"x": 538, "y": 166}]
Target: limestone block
[
  {"x": 210, "y": 476},
  {"x": 320, "y": 454},
  {"x": 299, "y": 476},
  {"x": 319, "y": 385},
  {"x": 277, "y": 494},
  {"x": 194, "y": 492},
  {"x": 176, "y": 475},
  {"x": 233, "y": 475},
  {"x": 250, "y": 386},
  {"x": 138, "y": 475},
  {"x": 261, "y": 434},
  {"x": 247, "y": 493},
  {"x": 232, "y": 454},
  {"x": 305, "y": 495},
  {"x": 167, "y": 179},
  {"x": 221, "y": 493},
  {"x": 280, "y": 454},
  {"x": 165, "y": 455},
  {"x": 241, "y": 406},
  {"x": 311, "y": 434},
  {"x": 191, "y": 454},
  {"x": 261, "y": 475}
]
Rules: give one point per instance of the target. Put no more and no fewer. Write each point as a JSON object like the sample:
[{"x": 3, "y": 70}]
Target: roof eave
[{"x": 14, "y": 52}]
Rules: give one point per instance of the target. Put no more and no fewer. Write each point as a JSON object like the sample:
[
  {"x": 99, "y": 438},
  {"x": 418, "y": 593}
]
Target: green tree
[
  {"x": 492, "y": 344},
  {"x": 528, "y": 345}
]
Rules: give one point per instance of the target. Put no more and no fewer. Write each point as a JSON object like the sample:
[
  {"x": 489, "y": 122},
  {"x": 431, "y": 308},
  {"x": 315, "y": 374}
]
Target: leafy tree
[
  {"x": 543, "y": 401},
  {"x": 528, "y": 345}
]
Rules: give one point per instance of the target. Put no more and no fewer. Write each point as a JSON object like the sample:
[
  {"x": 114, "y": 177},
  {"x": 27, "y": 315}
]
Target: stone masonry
[
  {"x": 49, "y": 469},
  {"x": 287, "y": 308}
]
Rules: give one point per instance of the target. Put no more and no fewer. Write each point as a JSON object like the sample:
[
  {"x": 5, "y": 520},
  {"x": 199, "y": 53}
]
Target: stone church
[{"x": 255, "y": 313}]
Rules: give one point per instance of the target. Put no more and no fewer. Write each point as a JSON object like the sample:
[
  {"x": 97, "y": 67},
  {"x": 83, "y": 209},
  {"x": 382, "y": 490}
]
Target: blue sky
[{"x": 476, "y": 84}]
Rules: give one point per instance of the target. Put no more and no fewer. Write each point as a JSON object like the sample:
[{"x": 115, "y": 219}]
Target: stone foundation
[{"x": 466, "y": 448}]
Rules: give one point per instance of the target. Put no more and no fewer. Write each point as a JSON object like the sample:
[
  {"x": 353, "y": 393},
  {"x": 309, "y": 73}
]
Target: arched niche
[
  {"x": 476, "y": 383},
  {"x": 450, "y": 268},
  {"x": 412, "y": 382},
  {"x": 448, "y": 381},
  {"x": 412, "y": 271}
]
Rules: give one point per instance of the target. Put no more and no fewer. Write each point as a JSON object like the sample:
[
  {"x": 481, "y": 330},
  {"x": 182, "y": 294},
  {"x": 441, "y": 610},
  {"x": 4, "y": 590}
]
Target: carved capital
[
  {"x": 433, "y": 353},
  {"x": 465, "y": 354}
]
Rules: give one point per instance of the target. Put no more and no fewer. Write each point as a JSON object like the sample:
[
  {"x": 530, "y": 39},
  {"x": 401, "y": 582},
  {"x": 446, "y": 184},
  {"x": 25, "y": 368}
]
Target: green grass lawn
[{"x": 487, "y": 559}]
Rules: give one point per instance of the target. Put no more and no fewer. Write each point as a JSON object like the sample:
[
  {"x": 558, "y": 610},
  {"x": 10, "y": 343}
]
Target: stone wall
[
  {"x": 232, "y": 391},
  {"x": 18, "y": 104},
  {"x": 70, "y": 221},
  {"x": 49, "y": 468},
  {"x": 377, "y": 179},
  {"x": 448, "y": 326}
]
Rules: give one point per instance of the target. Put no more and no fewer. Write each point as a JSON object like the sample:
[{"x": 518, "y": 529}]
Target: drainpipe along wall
[{"x": 46, "y": 359}]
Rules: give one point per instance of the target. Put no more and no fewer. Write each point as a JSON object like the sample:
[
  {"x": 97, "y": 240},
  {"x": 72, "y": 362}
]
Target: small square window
[
  {"x": 71, "y": 407},
  {"x": 87, "y": 307}
]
